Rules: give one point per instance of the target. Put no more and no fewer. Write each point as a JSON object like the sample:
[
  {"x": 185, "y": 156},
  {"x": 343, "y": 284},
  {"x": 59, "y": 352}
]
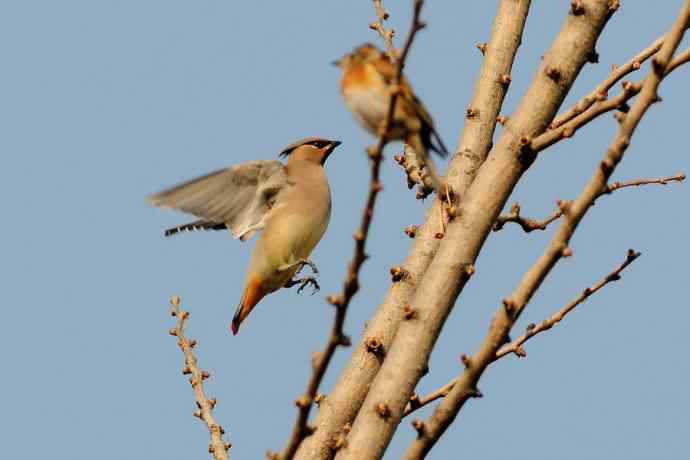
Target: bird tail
[
  {"x": 196, "y": 225},
  {"x": 253, "y": 293}
]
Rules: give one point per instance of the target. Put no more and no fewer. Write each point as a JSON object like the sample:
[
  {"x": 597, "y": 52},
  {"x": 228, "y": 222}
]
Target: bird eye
[{"x": 319, "y": 144}]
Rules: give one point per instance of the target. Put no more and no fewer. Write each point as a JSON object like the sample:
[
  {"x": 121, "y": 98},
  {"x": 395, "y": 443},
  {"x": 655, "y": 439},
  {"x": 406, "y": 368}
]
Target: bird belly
[
  {"x": 370, "y": 109},
  {"x": 287, "y": 239}
]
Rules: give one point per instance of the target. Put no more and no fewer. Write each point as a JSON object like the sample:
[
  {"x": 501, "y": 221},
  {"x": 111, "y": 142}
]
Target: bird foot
[
  {"x": 303, "y": 283},
  {"x": 311, "y": 265}
]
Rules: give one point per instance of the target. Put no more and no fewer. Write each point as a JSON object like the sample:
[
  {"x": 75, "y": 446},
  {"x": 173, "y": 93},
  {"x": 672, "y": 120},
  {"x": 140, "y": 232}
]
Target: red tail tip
[{"x": 234, "y": 327}]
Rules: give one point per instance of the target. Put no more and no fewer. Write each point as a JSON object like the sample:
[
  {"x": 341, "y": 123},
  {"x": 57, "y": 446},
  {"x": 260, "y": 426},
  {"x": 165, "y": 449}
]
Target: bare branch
[
  {"x": 529, "y": 225},
  {"x": 680, "y": 177},
  {"x": 569, "y": 129},
  {"x": 205, "y": 405},
  {"x": 574, "y": 211},
  {"x": 600, "y": 92},
  {"x": 452, "y": 265},
  {"x": 342, "y": 300},
  {"x": 516, "y": 345},
  {"x": 386, "y": 34},
  {"x": 345, "y": 400}
]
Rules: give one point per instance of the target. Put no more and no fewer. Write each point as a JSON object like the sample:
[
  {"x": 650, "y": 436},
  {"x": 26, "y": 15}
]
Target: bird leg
[
  {"x": 301, "y": 263},
  {"x": 304, "y": 282}
]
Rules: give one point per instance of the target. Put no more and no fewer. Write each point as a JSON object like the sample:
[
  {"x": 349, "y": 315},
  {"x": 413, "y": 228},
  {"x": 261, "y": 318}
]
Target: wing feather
[{"x": 239, "y": 196}]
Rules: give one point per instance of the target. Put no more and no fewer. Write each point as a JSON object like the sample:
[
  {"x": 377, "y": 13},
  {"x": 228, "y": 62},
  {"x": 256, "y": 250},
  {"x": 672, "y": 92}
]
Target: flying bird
[
  {"x": 366, "y": 83},
  {"x": 290, "y": 203}
]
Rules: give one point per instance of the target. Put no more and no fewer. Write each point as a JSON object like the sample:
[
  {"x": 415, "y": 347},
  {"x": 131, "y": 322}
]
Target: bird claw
[
  {"x": 311, "y": 265},
  {"x": 304, "y": 282}
]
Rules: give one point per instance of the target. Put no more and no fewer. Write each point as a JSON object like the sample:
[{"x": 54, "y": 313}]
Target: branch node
[
  {"x": 383, "y": 410},
  {"x": 419, "y": 427},
  {"x": 482, "y": 47},
  {"x": 399, "y": 274},
  {"x": 466, "y": 360},
  {"x": 373, "y": 345},
  {"x": 409, "y": 312},
  {"x": 577, "y": 8},
  {"x": 411, "y": 231}
]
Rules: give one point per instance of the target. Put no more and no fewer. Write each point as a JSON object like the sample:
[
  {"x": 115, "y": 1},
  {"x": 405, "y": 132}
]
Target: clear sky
[{"x": 104, "y": 102}]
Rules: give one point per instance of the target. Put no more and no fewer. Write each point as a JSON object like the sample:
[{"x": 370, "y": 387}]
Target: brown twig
[
  {"x": 569, "y": 129},
  {"x": 602, "y": 105},
  {"x": 516, "y": 345},
  {"x": 386, "y": 34},
  {"x": 529, "y": 225},
  {"x": 599, "y": 93},
  {"x": 205, "y": 406},
  {"x": 342, "y": 300},
  {"x": 574, "y": 211}
]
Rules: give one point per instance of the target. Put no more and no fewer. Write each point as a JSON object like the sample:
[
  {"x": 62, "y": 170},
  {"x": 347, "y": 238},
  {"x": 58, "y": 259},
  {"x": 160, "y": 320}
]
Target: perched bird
[
  {"x": 290, "y": 203},
  {"x": 366, "y": 84}
]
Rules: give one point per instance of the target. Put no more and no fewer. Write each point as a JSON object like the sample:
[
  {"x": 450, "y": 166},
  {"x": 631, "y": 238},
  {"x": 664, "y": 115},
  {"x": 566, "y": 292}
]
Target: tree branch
[
  {"x": 345, "y": 400},
  {"x": 452, "y": 265},
  {"x": 600, "y": 92},
  {"x": 529, "y": 225},
  {"x": 205, "y": 406},
  {"x": 516, "y": 345},
  {"x": 574, "y": 211},
  {"x": 342, "y": 300}
]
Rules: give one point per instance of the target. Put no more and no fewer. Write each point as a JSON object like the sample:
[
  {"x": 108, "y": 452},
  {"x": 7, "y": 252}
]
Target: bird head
[
  {"x": 363, "y": 53},
  {"x": 312, "y": 149}
]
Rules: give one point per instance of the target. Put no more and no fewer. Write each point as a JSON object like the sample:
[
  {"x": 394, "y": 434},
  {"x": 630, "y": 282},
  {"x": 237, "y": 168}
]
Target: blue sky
[{"x": 105, "y": 102}]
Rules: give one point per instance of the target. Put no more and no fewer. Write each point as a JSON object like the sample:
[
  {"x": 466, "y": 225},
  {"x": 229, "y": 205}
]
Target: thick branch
[
  {"x": 508, "y": 313},
  {"x": 205, "y": 406},
  {"x": 345, "y": 400},
  {"x": 452, "y": 265}
]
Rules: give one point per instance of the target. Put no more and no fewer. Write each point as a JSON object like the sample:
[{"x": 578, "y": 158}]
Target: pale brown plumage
[{"x": 290, "y": 203}]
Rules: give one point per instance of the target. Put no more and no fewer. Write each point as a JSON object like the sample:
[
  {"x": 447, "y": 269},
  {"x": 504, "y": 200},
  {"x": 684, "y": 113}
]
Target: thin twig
[
  {"x": 516, "y": 345},
  {"x": 386, "y": 34},
  {"x": 568, "y": 129},
  {"x": 507, "y": 314},
  {"x": 529, "y": 225},
  {"x": 205, "y": 405},
  {"x": 417, "y": 402},
  {"x": 599, "y": 93},
  {"x": 342, "y": 300}
]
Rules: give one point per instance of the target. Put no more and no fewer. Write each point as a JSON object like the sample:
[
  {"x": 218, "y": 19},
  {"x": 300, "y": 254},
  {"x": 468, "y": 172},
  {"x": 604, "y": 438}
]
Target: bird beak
[
  {"x": 336, "y": 63},
  {"x": 331, "y": 147}
]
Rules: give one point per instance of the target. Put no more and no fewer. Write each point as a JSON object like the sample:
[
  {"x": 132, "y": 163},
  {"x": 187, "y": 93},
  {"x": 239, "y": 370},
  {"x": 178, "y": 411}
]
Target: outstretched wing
[{"x": 239, "y": 196}]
